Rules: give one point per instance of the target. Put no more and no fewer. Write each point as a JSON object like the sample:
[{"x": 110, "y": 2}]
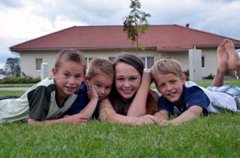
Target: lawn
[
  {"x": 16, "y": 85},
  {"x": 211, "y": 136},
  {"x": 10, "y": 93}
]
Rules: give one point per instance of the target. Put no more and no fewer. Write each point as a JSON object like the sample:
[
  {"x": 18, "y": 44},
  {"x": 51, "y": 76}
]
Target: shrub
[
  {"x": 19, "y": 80},
  {"x": 209, "y": 77},
  {"x": 186, "y": 72}
]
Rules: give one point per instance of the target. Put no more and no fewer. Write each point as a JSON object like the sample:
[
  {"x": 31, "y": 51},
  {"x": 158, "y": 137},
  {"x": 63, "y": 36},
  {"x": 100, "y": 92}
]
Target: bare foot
[
  {"x": 222, "y": 57},
  {"x": 233, "y": 58}
]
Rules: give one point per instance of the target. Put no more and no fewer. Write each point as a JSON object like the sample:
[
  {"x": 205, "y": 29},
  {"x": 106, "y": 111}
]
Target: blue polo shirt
[
  {"x": 190, "y": 96},
  {"x": 81, "y": 101}
]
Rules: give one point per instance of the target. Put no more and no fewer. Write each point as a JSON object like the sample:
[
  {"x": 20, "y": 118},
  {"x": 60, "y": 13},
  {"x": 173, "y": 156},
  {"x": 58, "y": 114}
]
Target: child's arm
[
  {"x": 88, "y": 111},
  {"x": 108, "y": 114},
  {"x": 192, "y": 113},
  {"x": 82, "y": 117},
  {"x": 138, "y": 106},
  {"x": 73, "y": 119},
  {"x": 162, "y": 115}
]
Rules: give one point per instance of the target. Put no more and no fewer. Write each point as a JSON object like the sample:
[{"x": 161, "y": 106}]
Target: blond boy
[
  {"x": 189, "y": 99},
  {"x": 46, "y": 102}
]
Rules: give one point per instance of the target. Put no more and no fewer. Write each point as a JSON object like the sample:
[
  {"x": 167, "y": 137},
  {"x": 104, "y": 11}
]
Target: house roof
[{"x": 157, "y": 37}]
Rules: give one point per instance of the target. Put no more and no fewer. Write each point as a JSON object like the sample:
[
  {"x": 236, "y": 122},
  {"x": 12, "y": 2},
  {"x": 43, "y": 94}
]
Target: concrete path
[{"x": 14, "y": 89}]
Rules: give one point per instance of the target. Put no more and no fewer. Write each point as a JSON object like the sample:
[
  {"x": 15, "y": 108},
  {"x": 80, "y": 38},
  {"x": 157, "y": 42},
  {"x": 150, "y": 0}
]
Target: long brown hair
[{"x": 119, "y": 105}]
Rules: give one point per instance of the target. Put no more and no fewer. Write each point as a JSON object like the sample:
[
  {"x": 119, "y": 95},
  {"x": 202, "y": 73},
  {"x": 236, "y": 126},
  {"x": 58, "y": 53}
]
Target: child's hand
[
  {"x": 74, "y": 119},
  {"x": 146, "y": 119},
  {"x": 162, "y": 121},
  {"x": 92, "y": 94},
  {"x": 147, "y": 76},
  {"x": 86, "y": 78}
]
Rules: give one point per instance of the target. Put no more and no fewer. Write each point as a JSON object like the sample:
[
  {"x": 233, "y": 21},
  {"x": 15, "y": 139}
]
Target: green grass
[
  {"x": 206, "y": 83},
  {"x": 11, "y": 93},
  {"x": 16, "y": 85},
  {"x": 212, "y": 136}
]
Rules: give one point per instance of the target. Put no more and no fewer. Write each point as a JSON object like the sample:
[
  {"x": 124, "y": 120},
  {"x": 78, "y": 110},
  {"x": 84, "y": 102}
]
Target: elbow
[
  {"x": 32, "y": 122},
  {"x": 197, "y": 111},
  {"x": 107, "y": 117}
]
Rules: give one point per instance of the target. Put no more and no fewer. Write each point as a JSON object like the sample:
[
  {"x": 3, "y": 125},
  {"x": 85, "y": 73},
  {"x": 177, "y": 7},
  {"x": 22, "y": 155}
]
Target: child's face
[
  {"x": 170, "y": 86},
  {"x": 127, "y": 80},
  {"x": 68, "y": 77},
  {"x": 102, "y": 83}
]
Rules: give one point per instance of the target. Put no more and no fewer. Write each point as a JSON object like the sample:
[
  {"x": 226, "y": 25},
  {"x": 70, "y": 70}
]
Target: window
[
  {"x": 38, "y": 63},
  {"x": 150, "y": 62},
  {"x": 203, "y": 62},
  {"x": 147, "y": 61}
]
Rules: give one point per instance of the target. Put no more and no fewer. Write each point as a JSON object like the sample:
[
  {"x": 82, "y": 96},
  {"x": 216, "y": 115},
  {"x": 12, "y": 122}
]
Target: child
[
  {"x": 46, "y": 102},
  {"x": 101, "y": 75},
  {"x": 130, "y": 101},
  {"x": 189, "y": 99}
]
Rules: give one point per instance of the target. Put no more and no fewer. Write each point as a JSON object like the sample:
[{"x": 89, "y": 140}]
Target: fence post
[
  {"x": 44, "y": 70},
  {"x": 195, "y": 68}
]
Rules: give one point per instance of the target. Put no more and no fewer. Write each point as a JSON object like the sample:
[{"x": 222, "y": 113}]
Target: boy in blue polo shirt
[
  {"x": 187, "y": 98},
  {"x": 100, "y": 74}
]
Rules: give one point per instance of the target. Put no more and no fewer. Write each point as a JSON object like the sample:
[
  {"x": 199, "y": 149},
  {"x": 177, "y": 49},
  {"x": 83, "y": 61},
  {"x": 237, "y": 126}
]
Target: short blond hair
[
  {"x": 166, "y": 66},
  {"x": 99, "y": 66},
  {"x": 73, "y": 55}
]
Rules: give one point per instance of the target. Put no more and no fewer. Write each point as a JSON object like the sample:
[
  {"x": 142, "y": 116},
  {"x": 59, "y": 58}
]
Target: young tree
[{"x": 135, "y": 23}]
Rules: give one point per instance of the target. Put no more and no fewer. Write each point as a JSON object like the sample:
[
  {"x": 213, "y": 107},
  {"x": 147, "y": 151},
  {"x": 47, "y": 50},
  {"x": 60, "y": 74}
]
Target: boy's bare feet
[
  {"x": 233, "y": 58},
  {"x": 222, "y": 57}
]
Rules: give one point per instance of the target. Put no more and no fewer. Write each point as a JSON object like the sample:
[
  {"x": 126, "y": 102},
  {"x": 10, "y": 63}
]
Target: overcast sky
[{"x": 22, "y": 20}]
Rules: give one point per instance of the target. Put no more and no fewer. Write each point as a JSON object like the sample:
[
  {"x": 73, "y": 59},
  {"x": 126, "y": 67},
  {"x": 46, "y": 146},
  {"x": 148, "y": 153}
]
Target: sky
[{"x": 23, "y": 20}]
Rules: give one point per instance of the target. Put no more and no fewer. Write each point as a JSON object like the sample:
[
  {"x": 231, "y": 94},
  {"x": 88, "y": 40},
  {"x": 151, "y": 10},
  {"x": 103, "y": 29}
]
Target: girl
[{"x": 130, "y": 101}]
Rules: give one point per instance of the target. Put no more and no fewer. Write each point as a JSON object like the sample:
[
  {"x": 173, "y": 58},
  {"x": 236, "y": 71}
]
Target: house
[{"x": 110, "y": 41}]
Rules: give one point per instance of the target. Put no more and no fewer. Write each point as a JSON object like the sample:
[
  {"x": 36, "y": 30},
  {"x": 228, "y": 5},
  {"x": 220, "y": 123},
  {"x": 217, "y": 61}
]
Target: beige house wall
[
  {"x": 182, "y": 57},
  {"x": 28, "y": 59},
  {"x": 210, "y": 58},
  {"x": 210, "y": 62},
  {"x": 28, "y": 62}
]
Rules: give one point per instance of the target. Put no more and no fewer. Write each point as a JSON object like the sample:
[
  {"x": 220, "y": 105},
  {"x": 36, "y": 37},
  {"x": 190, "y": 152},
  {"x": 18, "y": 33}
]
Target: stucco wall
[
  {"x": 28, "y": 62},
  {"x": 210, "y": 62},
  {"x": 209, "y": 55},
  {"x": 28, "y": 59}
]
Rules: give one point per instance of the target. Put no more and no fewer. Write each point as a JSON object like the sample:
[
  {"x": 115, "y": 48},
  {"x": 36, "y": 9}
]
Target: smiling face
[
  {"x": 127, "y": 80},
  {"x": 169, "y": 85},
  {"x": 102, "y": 83},
  {"x": 68, "y": 78}
]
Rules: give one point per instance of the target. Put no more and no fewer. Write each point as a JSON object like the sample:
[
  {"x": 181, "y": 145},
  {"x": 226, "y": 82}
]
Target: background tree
[
  {"x": 135, "y": 23},
  {"x": 12, "y": 66}
]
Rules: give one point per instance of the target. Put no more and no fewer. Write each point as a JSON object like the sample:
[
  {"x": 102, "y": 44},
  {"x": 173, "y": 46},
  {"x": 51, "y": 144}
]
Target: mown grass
[
  {"x": 16, "y": 85},
  {"x": 11, "y": 93},
  {"x": 211, "y": 136},
  {"x": 206, "y": 83}
]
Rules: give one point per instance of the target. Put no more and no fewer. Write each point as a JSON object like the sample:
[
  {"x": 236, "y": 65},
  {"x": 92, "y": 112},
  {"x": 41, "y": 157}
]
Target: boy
[
  {"x": 189, "y": 99},
  {"x": 100, "y": 74},
  {"x": 46, "y": 102}
]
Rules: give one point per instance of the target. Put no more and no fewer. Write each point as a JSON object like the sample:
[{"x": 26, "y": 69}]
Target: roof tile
[{"x": 160, "y": 37}]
